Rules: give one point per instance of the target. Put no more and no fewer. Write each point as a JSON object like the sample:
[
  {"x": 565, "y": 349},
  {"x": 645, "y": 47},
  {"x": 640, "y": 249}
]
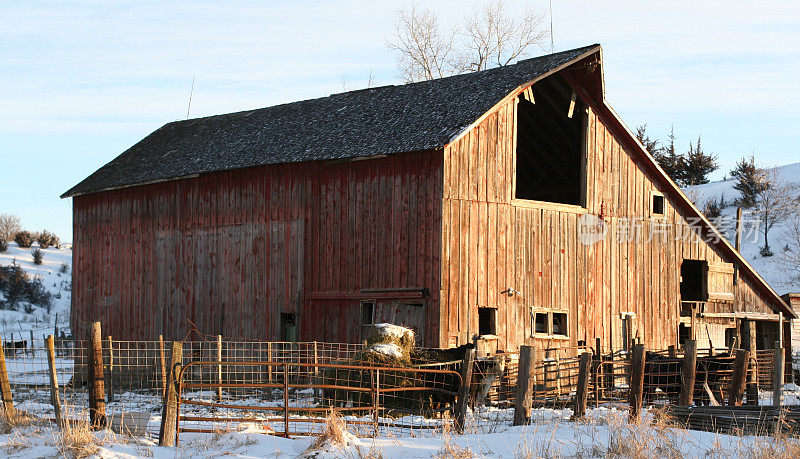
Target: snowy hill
[
  {"x": 752, "y": 238},
  {"x": 55, "y": 278}
]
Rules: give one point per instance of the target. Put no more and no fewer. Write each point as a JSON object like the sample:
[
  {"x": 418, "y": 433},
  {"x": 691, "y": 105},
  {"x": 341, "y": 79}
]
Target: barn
[{"x": 510, "y": 205}]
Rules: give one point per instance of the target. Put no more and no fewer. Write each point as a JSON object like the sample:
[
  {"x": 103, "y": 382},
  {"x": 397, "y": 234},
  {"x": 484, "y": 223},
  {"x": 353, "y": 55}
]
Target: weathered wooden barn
[{"x": 511, "y": 204}]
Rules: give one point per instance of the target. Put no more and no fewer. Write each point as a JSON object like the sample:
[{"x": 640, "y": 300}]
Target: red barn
[{"x": 508, "y": 203}]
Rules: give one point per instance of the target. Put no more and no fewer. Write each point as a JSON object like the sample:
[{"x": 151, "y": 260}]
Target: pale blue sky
[{"x": 80, "y": 82}]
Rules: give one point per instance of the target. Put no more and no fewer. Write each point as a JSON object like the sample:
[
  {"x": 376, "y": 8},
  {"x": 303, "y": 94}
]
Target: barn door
[{"x": 403, "y": 312}]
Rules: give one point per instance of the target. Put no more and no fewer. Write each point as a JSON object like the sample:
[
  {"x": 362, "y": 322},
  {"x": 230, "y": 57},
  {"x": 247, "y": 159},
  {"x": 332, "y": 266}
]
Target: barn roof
[{"x": 363, "y": 123}]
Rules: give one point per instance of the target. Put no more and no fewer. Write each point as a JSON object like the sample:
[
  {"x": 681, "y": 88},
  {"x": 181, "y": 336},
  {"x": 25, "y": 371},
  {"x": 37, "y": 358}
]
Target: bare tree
[
  {"x": 788, "y": 259},
  {"x": 490, "y": 37},
  {"x": 9, "y": 225},
  {"x": 424, "y": 51},
  {"x": 496, "y": 38},
  {"x": 774, "y": 203}
]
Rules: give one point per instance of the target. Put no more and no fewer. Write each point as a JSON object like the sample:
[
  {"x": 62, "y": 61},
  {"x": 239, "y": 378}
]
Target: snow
[
  {"x": 390, "y": 349},
  {"x": 752, "y": 241},
  {"x": 19, "y": 323},
  {"x": 605, "y": 432}
]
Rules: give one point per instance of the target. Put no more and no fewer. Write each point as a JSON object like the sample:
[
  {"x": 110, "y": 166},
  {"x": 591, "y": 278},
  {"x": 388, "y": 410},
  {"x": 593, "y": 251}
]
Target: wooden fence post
[
  {"x": 739, "y": 377},
  {"x": 582, "y": 391},
  {"x": 163, "y": 358},
  {"x": 688, "y": 373},
  {"x": 636, "y": 389},
  {"x": 110, "y": 369},
  {"x": 50, "y": 347},
  {"x": 523, "y": 397},
  {"x": 97, "y": 390},
  {"x": 219, "y": 367},
  {"x": 168, "y": 434},
  {"x": 777, "y": 375},
  {"x": 463, "y": 391},
  {"x": 749, "y": 344},
  {"x": 5, "y": 385}
]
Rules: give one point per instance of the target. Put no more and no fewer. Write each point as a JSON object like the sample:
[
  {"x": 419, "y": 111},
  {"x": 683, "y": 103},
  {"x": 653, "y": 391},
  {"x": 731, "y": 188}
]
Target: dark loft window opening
[
  {"x": 560, "y": 323},
  {"x": 288, "y": 327},
  {"x": 486, "y": 321},
  {"x": 550, "y": 138},
  {"x": 540, "y": 322},
  {"x": 367, "y": 312},
  {"x": 694, "y": 280},
  {"x": 658, "y": 204}
]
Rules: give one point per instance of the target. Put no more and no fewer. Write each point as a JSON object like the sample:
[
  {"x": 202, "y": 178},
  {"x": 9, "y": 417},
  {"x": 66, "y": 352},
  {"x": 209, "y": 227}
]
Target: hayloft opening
[
  {"x": 486, "y": 321},
  {"x": 551, "y": 133},
  {"x": 694, "y": 280},
  {"x": 288, "y": 327}
]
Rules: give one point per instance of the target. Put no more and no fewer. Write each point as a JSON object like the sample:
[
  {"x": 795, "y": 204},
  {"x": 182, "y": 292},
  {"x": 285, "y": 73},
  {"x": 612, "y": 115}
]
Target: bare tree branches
[
  {"x": 774, "y": 203},
  {"x": 788, "y": 258},
  {"x": 424, "y": 51},
  {"x": 496, "y": 38},
  {"x": 490, "y": 37},
  {"x": 9, "y": 225}
]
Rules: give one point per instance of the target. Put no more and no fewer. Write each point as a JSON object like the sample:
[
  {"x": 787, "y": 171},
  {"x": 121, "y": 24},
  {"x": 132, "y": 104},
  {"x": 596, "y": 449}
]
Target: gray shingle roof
[{"x": 367, "y": 122}]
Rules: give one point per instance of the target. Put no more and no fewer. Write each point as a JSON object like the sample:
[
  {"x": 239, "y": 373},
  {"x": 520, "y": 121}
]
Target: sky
[{"x": 82, "y": 81}]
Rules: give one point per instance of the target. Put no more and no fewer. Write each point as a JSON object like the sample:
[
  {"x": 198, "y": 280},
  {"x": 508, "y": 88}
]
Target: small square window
[
  {"x": 560, "y": 323},
  {"x": 658, "y": 204},
  {"x": 540, "y": 323}
]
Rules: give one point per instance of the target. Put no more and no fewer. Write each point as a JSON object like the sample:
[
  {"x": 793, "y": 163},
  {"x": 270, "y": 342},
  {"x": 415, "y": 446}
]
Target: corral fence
[{"x": 289, "y": 388}]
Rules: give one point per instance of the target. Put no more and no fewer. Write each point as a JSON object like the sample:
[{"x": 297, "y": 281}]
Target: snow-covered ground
[
  {"x": 753, "y": 238},
  {"x": 604, "y": 433},
  {"x": 57, "y": 282}
]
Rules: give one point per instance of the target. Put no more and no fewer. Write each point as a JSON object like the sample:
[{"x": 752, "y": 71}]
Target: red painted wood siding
[{"x": 232, "y": 250}]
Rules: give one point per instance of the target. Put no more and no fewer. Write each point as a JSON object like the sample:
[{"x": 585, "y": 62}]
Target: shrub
[
  {"x": 23, "y": 238},
  {"x": 47, "y": 239},
  {"x": 17, "y": 287},
  {"x": 63, "y": 269},
  {"x": 3, "y": 246},
  {"x": 37, "y": 256}
]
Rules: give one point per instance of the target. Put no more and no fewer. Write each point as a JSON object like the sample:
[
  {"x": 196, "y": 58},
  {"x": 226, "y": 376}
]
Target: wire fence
[{"x": 289, "y": 387}]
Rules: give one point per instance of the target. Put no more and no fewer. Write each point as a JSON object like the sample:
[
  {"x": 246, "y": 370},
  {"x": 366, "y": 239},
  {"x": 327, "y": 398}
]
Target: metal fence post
[
  {"x": 688, "y": 373},
  {"x": 636, "y": 389},
  {"x": 376, "y": 402},
  {"x": 163, "y": 359},
  {"x": 168, "y": 434},
  {"x": 286, "y": 399},
  {"x": 523, "y": 397},
  {"x": 218, "y": 375},
  {"x": 110, "y": 375},
  {"x": 463, "y": 391}
]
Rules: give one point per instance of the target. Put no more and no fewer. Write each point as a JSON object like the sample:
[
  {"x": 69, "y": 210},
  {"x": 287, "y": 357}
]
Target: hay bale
[{"x": 388, "y": 344}]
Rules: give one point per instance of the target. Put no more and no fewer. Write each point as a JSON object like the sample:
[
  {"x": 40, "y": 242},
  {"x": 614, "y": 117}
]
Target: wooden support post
[
  {"x": 50, "y": 348},
  {"x": 5, "y": 385},
  {"x": 739, "y": 377},
  {"x": 671, "y": 352},
  {"x": 738, "y": 244},
  {"x": 163, "y": 359},
  {"x": 168, "y": 434},
  {"x": 463, "y": 391},
  {"x": 523, "y": 397},
  {"x": 636, "y": 389},
  {"x": 688, "y": 373},
  {"x": 777, "y": 375},
  {"x": 218, "y": 378},
  {"x": 582, "y": 391},
  {"x": 110, "y": 376},
  {"x": 286, "y": 399},
  {"x": 749, "y": 344},
  {"x": 97, "y": 390}
]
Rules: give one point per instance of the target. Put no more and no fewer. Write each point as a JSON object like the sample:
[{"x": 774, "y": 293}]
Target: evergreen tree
[
  {"x": 651, "y": 145},
  {"x": 669, "y": 159},
  {"x": 749, "y": 181},
  {"x": 696, "y": 165}
]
